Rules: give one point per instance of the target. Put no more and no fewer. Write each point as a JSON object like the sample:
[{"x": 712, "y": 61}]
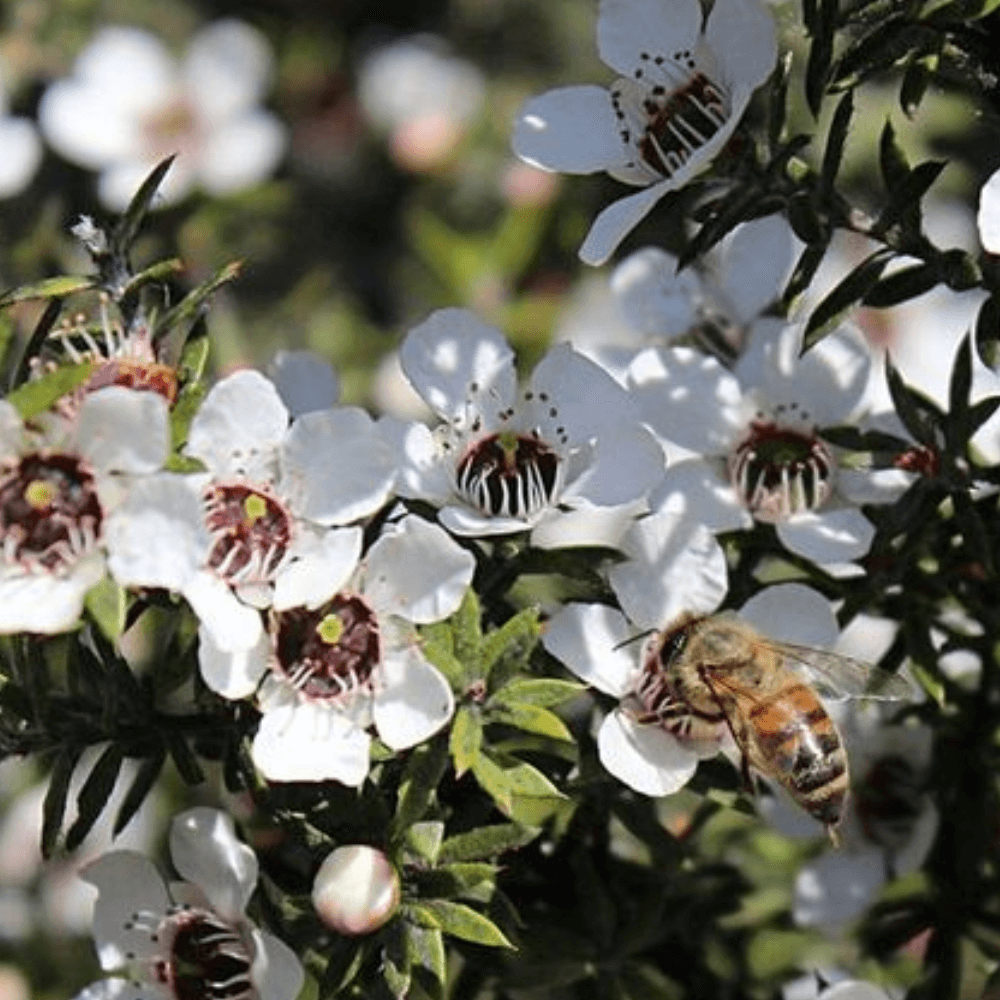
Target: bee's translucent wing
[{"x": 836, "y": 676}]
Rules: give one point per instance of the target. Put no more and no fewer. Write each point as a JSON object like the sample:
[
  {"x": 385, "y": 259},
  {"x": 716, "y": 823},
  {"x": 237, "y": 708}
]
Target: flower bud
[{"x": 356, "y": 889}]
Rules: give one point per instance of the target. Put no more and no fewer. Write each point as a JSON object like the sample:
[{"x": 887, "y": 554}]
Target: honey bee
[{"x": 705, "y": 672}]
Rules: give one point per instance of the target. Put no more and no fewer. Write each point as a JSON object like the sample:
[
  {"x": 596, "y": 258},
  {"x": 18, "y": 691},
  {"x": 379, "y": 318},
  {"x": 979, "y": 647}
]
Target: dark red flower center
[{"x": 251, "y": 532}]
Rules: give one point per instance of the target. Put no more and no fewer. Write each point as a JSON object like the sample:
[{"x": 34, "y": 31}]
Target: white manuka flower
[
  {"x": 754, "y": 435},
  {"x": 565, "y": 458},
  {"x": 683, "y": 92},
  {"x": 674, "y": 567},
  {"x": 59, "y": 481},
  {"x": 22, "y": 149},
  {"x": 191, "y": 938},
  {"x": 347, "y": 657},
  {"x": 888, "y": 827},
  {"x": 988, "y": 216},
  {"x": 131, "y": 104},
  {"x": 255, "y": 528}
]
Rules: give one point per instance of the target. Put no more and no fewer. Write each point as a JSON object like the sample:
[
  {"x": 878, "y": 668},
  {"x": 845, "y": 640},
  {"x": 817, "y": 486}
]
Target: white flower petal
[
  {"x": 658, "y": 300},
  {"x": 241, "y": 418},
  {"x": 338, "y": 467},
  {"x": 792, "y": 612},
  {"x": 427, "y": 471},
  {"x": 306, "y": 741},
  {"x": 626, "y": 28},
  {"x": 675, "y": 565},
  {"x": 22, "y": 153},
  {"x": 647, "y": 758},
  {"x": 854, "y": 989},
  {"x": 754, "y": 264},
  {"x": 597, "y": 643},
  {"x": 741, "y": 36},
  {"x": 231, "y": 624},
  {"x": 988, "y": 216},
  {"x": 127, "y": 883},
  {"x": 276, "y": 971},
  {"x": 206, "y": 851},
  {"x": 320, "y": 572},
  {"x": 241, "y": 153},
  {"x": 828, "y": 536},
  {"x": 304, "y": 380},
  {"x": 699, "y": 489},
  {"x": 584, "y": 525},
  {"x": 570, "y": 129},
  {"x": 837, "y": 887},
  {"x": 689, "y": 398},
  {"x": 45, "y": 603},
  {"x": 626, "y": 464},
  {"x": 227, "y": 67},
  {"x": 415, "y": 570},
  {"x": 873, "y": 485},
  {"x": 122, "y": 430},
  {"x": 414, "y": 701},
  {"x": 233, "y": 673},
  {"x": 470, "y": 523},
  {"x": 121, "y": 989},
  {"x": 157, "y": 536},
  {"x": 616, "y": 221},
  {"x": 460, "y": 366}
]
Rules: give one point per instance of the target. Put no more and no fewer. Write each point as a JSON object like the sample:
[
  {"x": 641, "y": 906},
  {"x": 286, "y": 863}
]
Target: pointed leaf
[
  {"x": 820, "y": 54},
  {"x": 424, "y": 840},
  {"x": 191, "y": 306},
  {"x": 531, "y": 719},
  {"x": 106, "y": 603},
  {"x": 142, "y": 784},
  {"x": 456, "y": 919},
  {"x": 486, "y": 842},
  {"x": 54, "y": 807},
  {"x": 892, "y": 160},
  {"x": 543, "y": 691},
  {"x": 906, "y": 283},
  {"x": 58, "y": 287},
  {"x": 425, "y": 949},
  {"x": 184, "y": 759},
  {"x": 905, "y": 197},
  {"x": 834, "y": 152},
  {"x": 94, "y": 794},
  {"x": 466, "y": 738},
  {"x": 988, "y": 333},
  {"x": 424, "y": 769},
  {"x": 128, "y": 225},
  {"x": 844, "y": 296},
  {"x": 36, "y": 396},
  {"x": 513, "y": 640}
]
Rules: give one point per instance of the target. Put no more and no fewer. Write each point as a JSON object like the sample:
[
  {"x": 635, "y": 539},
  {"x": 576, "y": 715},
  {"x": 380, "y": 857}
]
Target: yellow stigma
[
  {"x": 507, "y": 440},
  {"x": 330, "y": 629},
  {"x": 254, "y": 508},
  {"x": 40, "y": 494}
]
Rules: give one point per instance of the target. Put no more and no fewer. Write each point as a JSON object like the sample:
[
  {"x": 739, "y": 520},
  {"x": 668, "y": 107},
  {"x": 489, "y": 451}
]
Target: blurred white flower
[
  {"x": 60, "y": 479},
  {"x": 346, "y": 657},
  {"x": 988, "y": 216},
  {"x": 422, "y": 96},
  {"x": 190, "y": 938},
  {"x": 254, "y": 529},
  {"x": 130, "y": 104},
  {"x": 565, "y": 458},
  {"x": 748, "y": 443},
  {"x": 22, "y": 149},
  {"x": 684, "y": 90}
]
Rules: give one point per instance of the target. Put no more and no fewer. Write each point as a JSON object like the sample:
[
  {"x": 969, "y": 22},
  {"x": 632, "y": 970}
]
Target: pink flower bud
[{"x": 356, "y": 889}]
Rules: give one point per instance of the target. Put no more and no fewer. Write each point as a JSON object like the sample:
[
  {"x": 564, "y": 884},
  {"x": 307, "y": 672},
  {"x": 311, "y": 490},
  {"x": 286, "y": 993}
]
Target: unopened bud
[{"x": 356, "y": 889}]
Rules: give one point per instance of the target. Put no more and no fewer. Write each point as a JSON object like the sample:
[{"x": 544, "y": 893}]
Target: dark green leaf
[
  {"x": 190, "y": 308},
  {"x": 142, "y": 784},
  {"x": 94, "y": 794},
  {"x": 423, "y": 840},
  {"x": 805, "y": 221},
  {"x": 820, "y": 54},
  {"x": 184, "y": 759},
  {"x": 844, "y": 296},
  {"x": 978, "y": 542},
  {"x": 904, "y": 284},
  {"x": 854, "y": 439},
  {"x": 988, "y": 333},
  {"x": 128, "y": 225},
  {"x": 804, "y": 272},
  {"x": 915, "y": 81},
  {"x": 451, "y": 880},
  {"x": 54, "y": 807},
  {"x": 36, "y": 396},
  {"x": 423, "y": 772},
  {"x": 892, "y": 39},
  {"x": 960, "y": 383},
  {"x": 834, "y": 152},
  {"x": 158, "y": 273},
  {"x": 543, "y": 691},
  {"x": 425, "y": 948},
  {"x": 777, "y": 102},
  {"x": 396, "y": 961},
  {"x": 918, "y": 414},
  {"x": 35, "y": 343},
  {"x": 904, "y": 198},
  {"x": 514, "y": 640},
  {"x": 486, "y": 842},
  {"x": 892, "y": 160},
  {"x": 532, "y": 719}
]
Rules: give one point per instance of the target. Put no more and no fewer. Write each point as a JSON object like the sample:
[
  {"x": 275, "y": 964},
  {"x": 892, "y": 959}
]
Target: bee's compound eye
[{"x": 672, "y": 647}]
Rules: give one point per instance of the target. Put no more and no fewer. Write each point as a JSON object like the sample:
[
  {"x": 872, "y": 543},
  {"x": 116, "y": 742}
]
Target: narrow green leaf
[
  {"x": 904, "y": 198},
  {"x": 777, "y": 102},
  {"x": 916, "y": 79},
  {"x": 978, "y": 542},
  {"x": 466, "y": 738},
  {"x": 844, "y": 296},
  {"x": 493, "y": 780},
  {"x": 94, "y": 794},
  {"x": 543, "y": 691},
  {"x": 960, "y": 383},
  {"x": 142, "y": 784},
  {"x": 442, "y": 656},
  {"x": 837, "y": 135},
  {"x": 914, "y": 410},
  {"x": 988, "y": 333},
  {"x": 423, "y": 839},
  {"x": 447, "y": 881},
  {"x": 425, "y": 948},
  {"x": 486, "y": 842},
  {"x": 58, "y": 287},
  {"x": 128, "y": 225},
  {"x": 804, "y": 271},
  {"x": 892, "y": 160},
  {"x": 531, "y": 719},
  {"x": 54, "y": 807},
  {"x": 513, "y": 640},
  {"x": 421, "y": 776},
  {"x": 458, "y": 920},
  {"x": 396, "y": 961},
  {"x": 465, "y": 624},
  {"x": 900, "y": 286},
  {"x": 190, "y": 307},
  {"x": 161, "y": 271},
  {"x": 184, "y": 759},
  {"x": 35, "y": 343},
  {"x": 805, "y": 221},
  {"x": 36, "y": 396}
]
